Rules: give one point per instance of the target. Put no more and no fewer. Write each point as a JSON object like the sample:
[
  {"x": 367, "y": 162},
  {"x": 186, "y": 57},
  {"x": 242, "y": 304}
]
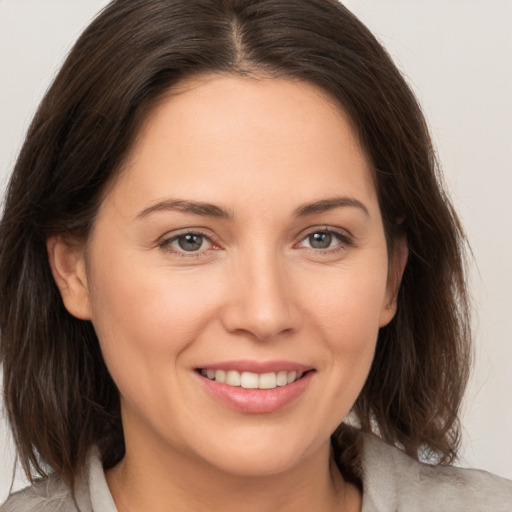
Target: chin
[
  {"x": 261, "y": 456},
  {"x": 260, "y": 465}
]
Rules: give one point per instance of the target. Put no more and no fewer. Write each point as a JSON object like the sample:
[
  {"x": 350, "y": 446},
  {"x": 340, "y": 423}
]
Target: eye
[
  {"x": 189, "y": 242},
  {"x": 320, "y": 240},
  {"x": 323, "y": 239}
]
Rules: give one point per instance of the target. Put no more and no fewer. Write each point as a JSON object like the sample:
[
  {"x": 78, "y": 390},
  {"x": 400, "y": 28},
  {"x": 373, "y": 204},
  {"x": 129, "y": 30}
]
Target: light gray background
[{"x": 457, "y": 55}]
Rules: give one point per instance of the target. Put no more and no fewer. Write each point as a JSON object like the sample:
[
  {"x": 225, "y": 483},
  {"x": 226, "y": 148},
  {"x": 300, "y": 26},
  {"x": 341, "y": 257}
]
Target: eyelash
[
  {"x": 165, "y": 244},
  {"x": 344, "y": 241}
]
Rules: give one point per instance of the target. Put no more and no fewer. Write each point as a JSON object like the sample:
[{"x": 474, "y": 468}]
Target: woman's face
[{"x": 242, "y": 241}]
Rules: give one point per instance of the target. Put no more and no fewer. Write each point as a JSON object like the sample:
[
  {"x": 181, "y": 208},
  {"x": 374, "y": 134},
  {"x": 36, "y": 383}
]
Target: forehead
[{"x": 221, "y": 138}]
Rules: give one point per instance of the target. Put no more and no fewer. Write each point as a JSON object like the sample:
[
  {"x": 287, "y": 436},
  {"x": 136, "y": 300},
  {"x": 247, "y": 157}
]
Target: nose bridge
[{"x": 262, "y": 302}]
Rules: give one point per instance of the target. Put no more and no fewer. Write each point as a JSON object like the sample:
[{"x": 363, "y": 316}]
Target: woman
[{"x": 224, "y": 235}]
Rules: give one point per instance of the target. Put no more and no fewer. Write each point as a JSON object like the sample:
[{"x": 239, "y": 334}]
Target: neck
[{"x": 147, "y": 479}]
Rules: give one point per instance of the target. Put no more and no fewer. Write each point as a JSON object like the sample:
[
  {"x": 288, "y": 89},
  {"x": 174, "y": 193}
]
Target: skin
[{"x": 256, "y": 289}]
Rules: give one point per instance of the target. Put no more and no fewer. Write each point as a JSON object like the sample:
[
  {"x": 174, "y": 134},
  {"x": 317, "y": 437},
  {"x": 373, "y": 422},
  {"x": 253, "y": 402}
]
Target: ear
[
  {"x": 397, "y": 263},
  {"x": 67, "y": 262}
]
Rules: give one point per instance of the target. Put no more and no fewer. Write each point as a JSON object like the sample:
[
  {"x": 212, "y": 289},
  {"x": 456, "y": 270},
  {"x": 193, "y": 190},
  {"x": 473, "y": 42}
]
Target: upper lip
[{"x": 253, "y": 366}]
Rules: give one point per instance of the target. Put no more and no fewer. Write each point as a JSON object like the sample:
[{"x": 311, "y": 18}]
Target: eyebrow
[
  {"x": 194, "y": 207},
  {"x": 325, "y": 205},
  {"x": 212, "y": 210}
]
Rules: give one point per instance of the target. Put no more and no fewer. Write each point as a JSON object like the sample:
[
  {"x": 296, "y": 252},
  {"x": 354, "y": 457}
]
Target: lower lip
[{"x": 256, "y": 401}]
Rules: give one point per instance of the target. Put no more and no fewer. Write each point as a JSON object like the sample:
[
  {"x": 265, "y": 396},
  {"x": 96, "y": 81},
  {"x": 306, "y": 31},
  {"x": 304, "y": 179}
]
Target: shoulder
[
  {"x": 51, "y": 494},
  {"x": 45, "y": 495},
  {"x": 392, "y": 481}
]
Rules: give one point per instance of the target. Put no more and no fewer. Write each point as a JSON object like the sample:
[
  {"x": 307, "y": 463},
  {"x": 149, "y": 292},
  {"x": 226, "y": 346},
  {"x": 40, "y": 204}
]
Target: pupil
[
  {"x": 320, "y": 240},
  {"x": 190, "y": 242}
]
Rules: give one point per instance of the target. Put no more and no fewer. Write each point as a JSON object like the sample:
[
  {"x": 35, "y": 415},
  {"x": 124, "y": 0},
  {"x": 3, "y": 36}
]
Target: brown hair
[{"x": 59, "y": 396}]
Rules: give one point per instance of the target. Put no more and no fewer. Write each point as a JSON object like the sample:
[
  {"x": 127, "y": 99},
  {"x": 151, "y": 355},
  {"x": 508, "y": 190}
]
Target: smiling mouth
[{"x": 250, "y": 380}]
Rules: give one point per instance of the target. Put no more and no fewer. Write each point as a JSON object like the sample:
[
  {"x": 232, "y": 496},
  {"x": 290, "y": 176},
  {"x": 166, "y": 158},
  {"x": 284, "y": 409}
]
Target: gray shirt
[{"x": 392, "y": 482}]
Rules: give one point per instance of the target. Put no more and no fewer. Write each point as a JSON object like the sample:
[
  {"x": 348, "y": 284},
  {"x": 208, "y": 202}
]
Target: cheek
[
  {"x": 346, "y": 310},
  {"x": 350, "y": 300},
  {"x": 145, "y": 317}
]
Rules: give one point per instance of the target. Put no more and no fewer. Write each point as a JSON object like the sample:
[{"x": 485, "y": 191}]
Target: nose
[{"x": 262, "y": 303}]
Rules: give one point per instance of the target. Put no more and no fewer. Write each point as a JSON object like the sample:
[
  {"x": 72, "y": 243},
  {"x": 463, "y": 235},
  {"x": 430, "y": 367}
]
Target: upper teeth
[{"x": 249, "y": 380}]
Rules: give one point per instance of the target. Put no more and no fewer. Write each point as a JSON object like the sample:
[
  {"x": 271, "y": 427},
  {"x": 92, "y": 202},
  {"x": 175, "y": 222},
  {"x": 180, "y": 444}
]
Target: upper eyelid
[
  {"x": 168, "y": 238},
  {"x": 344, "y": 233},
  {"x": 302, "y": 234},
  {"x": 172, "y": 235}
]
